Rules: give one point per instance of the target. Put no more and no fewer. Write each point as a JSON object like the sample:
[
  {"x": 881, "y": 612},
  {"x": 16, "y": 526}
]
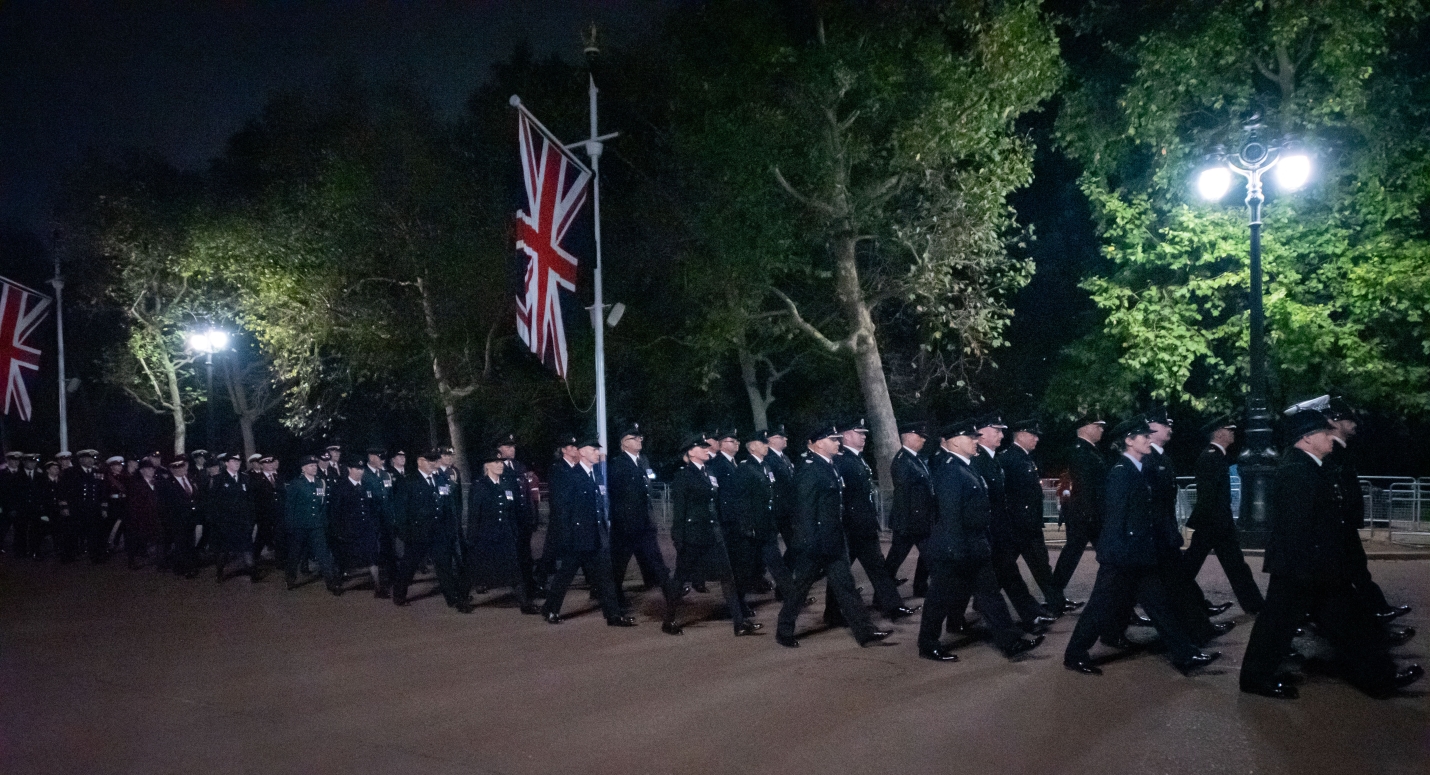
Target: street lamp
[
  {"x": 209, "y": 342},
  {"x": 1292, "y": 170}
]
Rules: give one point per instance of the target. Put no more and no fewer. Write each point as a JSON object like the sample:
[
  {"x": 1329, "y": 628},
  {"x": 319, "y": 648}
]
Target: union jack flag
[
  {"x": 556, "y": 186},
  {"x": 21, "y": 312}
]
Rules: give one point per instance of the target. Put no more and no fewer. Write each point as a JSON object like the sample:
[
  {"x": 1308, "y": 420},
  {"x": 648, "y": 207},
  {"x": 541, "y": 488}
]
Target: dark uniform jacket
[
  {"x": 578, "y": 521},
  {"x": 27, "y": 497},
  {"x": 1348, "y": 480},
  {"x": 381, "y": 488},
  {"x": 525, "y": 488},
  {"x": 143, "y": 522},
  {"x": 960, "y": 532},
  {"x": 1307, "y": 532},
  {"x": 83, "y": 492},
  {"x": 912, "y": 510},
  {"x": 629, "y": 485},
  {"x": 754, "y": 500},
  {"x": 428, "y": 511},
  {"x": 723, "y": 470},
  {"x": 861, "y": 518},
  {"x": 354, "y": 513},
  {"x": 10, "y": 486},
  {"x": 1163, "y": 479},
  {"x": 1131, "y": 535},
  {"x": 1000, "y": 526},
  {"x": 784, "y": 486},
  {"x": 229, "y": 511},
  {"x": 1088, "y": 471},
  {"x": 695, "y": 507},
  {"x": 306, "y": 506},
  {"x": 1212, "y": 511},
  {"x": 1023, "y": 488},
  {"x": 496, "y": 532},
  {"x": 819, "y": 509},
  {"x": 268, "y": 498},
  {"x": 178, "y": 507}
]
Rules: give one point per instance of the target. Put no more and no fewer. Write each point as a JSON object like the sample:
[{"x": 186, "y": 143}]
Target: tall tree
[{"x": 1346, "y": 260}]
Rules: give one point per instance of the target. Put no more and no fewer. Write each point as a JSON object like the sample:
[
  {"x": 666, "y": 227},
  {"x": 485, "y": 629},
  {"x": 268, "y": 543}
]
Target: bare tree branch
[
  {"x": 805, "y": 326},
  {"x": 801, "y": 198}
]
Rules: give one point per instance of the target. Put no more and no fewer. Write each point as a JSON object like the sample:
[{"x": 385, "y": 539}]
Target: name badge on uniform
[
  {"x": 321, "y": 491},
  {"x": 650, "y": 474},
  {"x": 713, "y": 481},
  {"x": 771, "y": 475},
  {"x": 601, "y": 488},
  {"x": 509, "y": 496},
  {"x": 444, "y": 489},
  {"x": 387, "y": 483}
]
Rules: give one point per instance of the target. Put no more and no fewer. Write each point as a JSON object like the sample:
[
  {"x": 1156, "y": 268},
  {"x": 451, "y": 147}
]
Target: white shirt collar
[
  {"x": 990, "y": 452},
  {"x": 1025, "y": 449},
  {"x": 1313, "y": 457},
  {"x": 356, "y": 482},
  {"x": 585, "y": 467},
  {"x": 634, "y": 458},
  {"x": 728, "y": 456},
  {"x": 1218, "y": 446},
  {"x": 1134, "y": 460},
  {"x": 828, "y": 460},
  {"x": 911, "y": 452},
  {"x": 1154, "y": 446},
  {"x": 968, "y": 461}
]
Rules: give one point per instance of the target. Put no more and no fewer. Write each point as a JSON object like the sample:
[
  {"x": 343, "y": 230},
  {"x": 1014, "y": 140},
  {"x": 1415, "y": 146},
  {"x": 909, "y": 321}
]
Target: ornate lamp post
[
  {"x": 1292, "y": 169},
  {"x": 209, "y": 342}
]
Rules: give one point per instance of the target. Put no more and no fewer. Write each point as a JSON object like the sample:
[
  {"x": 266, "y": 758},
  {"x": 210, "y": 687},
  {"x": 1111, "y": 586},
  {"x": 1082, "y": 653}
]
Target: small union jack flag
[
  {"x": 556, "y": 185},
  {"x": 21, "y": 312}
]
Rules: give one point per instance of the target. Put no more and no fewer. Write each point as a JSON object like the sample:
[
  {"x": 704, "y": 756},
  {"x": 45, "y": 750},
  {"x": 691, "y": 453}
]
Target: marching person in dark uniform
[
  {"x": 1082, "y": 513},
  {"x": 1311, "y": 569},
  {"x": 331, "y": 464},
  {"x": 356, "y": 518},
  {"x": 783, "y": 469},
  {"x": 1024, "y": 489},
  {"x": 568, "y": 460},
  {"x": 744, "y": 556},
  {"x": 754, "y": 505},
  {"x": 1129, "y": 549},
  {"x": 82, "y": 491},
  {"x": 861, "y": 526},
  {"x": 527, "y": 489},
  {"x": 1345, "y": 421},
  {"x": 1003, "y": 533},
  {"x": 633, "y": 534},
  {"x": 960, "y": 550},
  {"x": 116, "y": 506},
  {"x": 229, "y": 509},
  {"x": 179, "y": 508},
  {"x": 397, "y": 466},
  {"x": 1211, "y": 519},
  {"x": 493, "y": 559},
  {"x": 10, "y": 485},
  {"x": 912, "y": 512},
  {"x": 381, "y": 488},
  {"x": 143, "y": 528},
  {"x": 447, "y": 467},
  {"x": 30, "y": 527},
  {"x": 51, "y": 521},
  {"x": 266, "y": 491},
  {"x": 579, "y": 538},
  {"x": 199, "y": 468},
  {"x": 430, "y": 526},
  {"x": 695, "y": 529},
  {"x": 820, "y": 543},
  {"x": 305, "y": 521}
]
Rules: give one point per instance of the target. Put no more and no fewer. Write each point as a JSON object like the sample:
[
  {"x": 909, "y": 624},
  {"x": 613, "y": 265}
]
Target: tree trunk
[
  {"x": 245, "y": 426},
  {"x": 444, "y": 389},
  {"x": 868, "y": 362},
  {"x": 176, "y": 407},
  {"x": 759, "y": 401}
]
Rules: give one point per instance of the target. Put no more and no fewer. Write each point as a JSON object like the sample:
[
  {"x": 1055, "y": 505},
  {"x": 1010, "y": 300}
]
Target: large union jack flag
[
  {"x": 21, "y": 312},
  {"x": 556, "y": 185}
]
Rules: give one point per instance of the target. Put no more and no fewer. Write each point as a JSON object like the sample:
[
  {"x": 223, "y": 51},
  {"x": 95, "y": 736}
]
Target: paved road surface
[{"x": 103, "y": 670}]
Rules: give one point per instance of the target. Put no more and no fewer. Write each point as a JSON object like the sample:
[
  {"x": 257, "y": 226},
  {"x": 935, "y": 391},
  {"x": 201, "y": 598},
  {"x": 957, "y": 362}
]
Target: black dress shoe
[
  {"x": 1392, "y": 612},
  {"x": 1276, "y": 689},
  {"x": 902, "y": 611},
  {"x": 1223, "y": 628},
  {"x": 553, "y": 618},
  {"x": 1138, "y": 620},
  {"x": 937, "y": 654},
  {"x": 1401, "y": 636},
  {"x": 1218, "y": 609},
  {"x": 1072, "y": 605},
  {"x": 747, "y": 628},
  {"x": 1408, "y": 676},
  {"x": 671, "y": 628},
  {"x": 788, "y": 641},
  {"x": 700, "y": 587},
  {"x": 400, "y": 600},
  {"x": 531, "y": 609},
  {"x": 1022, "y": 646},
  {"x": 1120, "y": 642},
  {"x": 1084, "y": 666},
  {"x": 875, "y": 637},
  {"x": 621, "y": 621},
  {"x": 464, "y": 607},
  {"x": 1199, "y": 659},
  {"x": 336, "y": 589}
]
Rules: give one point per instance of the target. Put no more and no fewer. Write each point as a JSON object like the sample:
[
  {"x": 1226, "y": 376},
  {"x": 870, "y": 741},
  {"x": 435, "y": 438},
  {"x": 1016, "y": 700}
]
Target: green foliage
[{"x": 1345, "y": 259}]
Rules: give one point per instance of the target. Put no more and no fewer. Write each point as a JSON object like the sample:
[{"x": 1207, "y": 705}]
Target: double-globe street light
[
  {"x": 1291, "y": 170},
  {"x": 209, "y": 342}
]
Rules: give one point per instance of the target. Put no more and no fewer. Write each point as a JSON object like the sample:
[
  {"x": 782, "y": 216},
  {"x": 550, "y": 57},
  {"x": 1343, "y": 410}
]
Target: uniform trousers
[
  {"x": 1114, "y": 593},
  {"x": 1361, "y": 652},
  {"x": 865, "y": 550},
  {"x": 705, "y": 562},
  {"x": 1233, "y": 564},
  {"x": 595, "y": 565},
  {"x": 899, "y": 551},
  {"x": 95, "y": 528},
  {"x": 1010, "y": 580},
  {"x": 1034, "y": 551},
  {"x": 951, "y": 586},
  {"x": 808, "y": 567},
  {"x": 1369, "y": 591},
  {"x": 446, "y": 562},
  {"x": 310, "y": 541},
  {"x": 769, "y": 553},
  {"x": 645, "y": 549},
  {"x": 1078, "y": 539},
  {"x": 524, "y": 555}
]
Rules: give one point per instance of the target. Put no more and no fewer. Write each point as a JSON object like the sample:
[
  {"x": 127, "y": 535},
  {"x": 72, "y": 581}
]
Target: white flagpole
[
  {"x": 598, "y": 318},
  {"x": 59, "y": 284}
]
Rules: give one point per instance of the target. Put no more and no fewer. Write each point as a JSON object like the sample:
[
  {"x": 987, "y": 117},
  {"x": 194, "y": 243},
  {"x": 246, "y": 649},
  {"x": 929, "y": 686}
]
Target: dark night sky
[{"x": 181, "y": 77}]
